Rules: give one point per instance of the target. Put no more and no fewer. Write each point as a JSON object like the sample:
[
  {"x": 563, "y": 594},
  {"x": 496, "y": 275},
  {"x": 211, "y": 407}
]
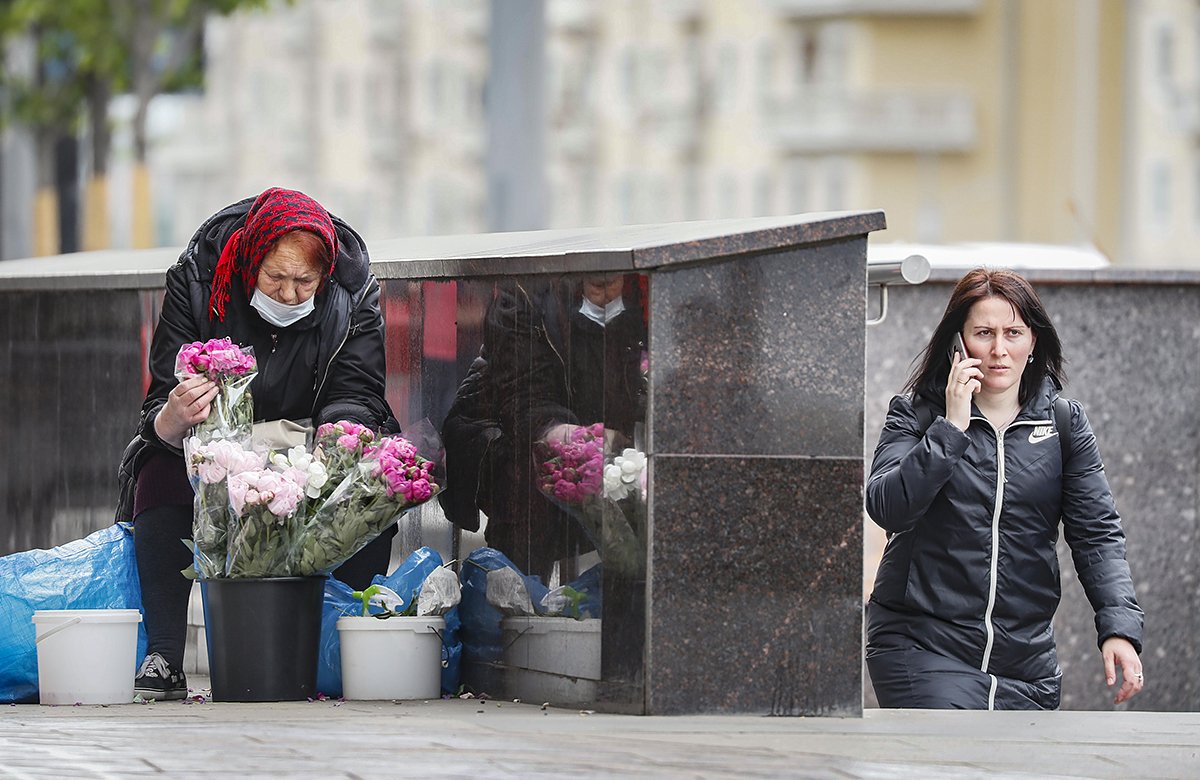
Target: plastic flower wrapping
[
  {"x": 232, "y": 368},
  {"x": 295, "y": 512},
  {"x": 605, "y": 494}
]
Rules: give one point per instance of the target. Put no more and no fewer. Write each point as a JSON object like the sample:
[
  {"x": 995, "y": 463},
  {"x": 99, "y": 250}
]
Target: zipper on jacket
[
  {"x": 989, "y": 629},
  {"x": 995, "y": 556}
]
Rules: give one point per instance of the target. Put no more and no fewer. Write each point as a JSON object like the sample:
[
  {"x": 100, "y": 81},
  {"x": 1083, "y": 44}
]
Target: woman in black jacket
[
  {"x": 970, "y": 482},
  {"x": 554, "y": 356},
  {"x": 280, "y": 274}
]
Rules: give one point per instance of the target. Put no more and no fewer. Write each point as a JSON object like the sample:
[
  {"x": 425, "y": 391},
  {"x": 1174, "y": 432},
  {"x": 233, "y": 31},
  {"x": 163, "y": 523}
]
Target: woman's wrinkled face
[
  {"x": 995, "y": 334},
  {"x": 288, "y": 274},
  {"x": 603, "y": 290}
]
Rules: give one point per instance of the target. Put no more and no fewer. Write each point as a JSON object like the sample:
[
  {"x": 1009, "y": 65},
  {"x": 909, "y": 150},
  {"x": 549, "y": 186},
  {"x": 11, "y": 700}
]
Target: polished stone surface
[
  {"x": 71, "y": 372},
  {"x": 756, "y": 563},
  {"x": 762, "y": 355},
  {"x": 1128, "y": 341},
  {"x": 756, "y": 369},
  {"x": 571, "y": 250},
  {"x": 756, "y": 355}
]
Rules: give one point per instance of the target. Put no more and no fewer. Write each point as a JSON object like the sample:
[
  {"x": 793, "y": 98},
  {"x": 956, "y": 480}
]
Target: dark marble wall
[
  {"x": 756, "y": 388},
  {"x": 71, "y": 373},
  {"x": 739, "y": 584},
  {"x": 1129, "y": 345}
]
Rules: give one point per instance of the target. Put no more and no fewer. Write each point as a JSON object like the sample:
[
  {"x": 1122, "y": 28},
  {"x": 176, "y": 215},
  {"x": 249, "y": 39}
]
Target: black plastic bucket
[{"x": 263, "y": 636}]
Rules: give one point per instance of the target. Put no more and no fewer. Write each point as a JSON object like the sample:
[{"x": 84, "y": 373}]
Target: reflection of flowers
[
  {"x": 573, "y": 469},
  {"x": 608, "y": 501},
  {"x": 625, "y": 475}
]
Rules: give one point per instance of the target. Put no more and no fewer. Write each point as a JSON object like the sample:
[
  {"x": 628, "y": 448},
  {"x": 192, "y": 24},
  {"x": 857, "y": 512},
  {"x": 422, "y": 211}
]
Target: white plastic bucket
[
  {"x": 391, "y": 658},
  {"x": 86, "y": 656},
  {"x": 556, "y": 645}
]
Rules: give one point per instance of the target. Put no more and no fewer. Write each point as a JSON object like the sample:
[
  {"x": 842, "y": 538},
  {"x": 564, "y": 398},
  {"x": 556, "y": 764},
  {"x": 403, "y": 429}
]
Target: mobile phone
[{"x": 957, "y": 345}]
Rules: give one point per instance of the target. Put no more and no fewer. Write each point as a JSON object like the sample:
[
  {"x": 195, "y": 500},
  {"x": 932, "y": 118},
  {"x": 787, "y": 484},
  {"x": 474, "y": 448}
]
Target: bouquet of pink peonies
[
  {"x": 232, "y": 368},
  {"x": 605, "y": 495},
  {"x": 380, "y": 480},
  {"x": 210, "y": 467},
  {"x": 267, "y": 511},
  {"x": 572, "y": 471},
  {"x": 289, "y": 513},
  {"x": 298, "y": 513}
]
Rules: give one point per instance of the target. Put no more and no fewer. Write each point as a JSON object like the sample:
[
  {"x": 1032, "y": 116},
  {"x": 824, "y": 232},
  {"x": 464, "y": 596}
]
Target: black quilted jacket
[
  {"x": 329, "y": 366},
  {"x": 970, "y": 569}
]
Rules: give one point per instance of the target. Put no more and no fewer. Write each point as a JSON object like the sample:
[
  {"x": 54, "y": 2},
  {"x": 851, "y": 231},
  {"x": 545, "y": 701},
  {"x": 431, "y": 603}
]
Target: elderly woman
[{"x": 280, "y": 274}]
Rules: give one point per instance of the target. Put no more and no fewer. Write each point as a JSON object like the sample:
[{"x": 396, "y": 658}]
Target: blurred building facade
[{"x": 988, "y": 120}]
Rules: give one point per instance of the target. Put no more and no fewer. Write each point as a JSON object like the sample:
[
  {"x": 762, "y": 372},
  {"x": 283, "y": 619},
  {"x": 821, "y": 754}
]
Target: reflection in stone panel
[{"x": 544, "y": 450}]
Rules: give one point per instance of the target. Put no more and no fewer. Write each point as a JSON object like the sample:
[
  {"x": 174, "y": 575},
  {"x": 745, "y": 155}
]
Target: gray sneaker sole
[{"x": 156, "y": 694}]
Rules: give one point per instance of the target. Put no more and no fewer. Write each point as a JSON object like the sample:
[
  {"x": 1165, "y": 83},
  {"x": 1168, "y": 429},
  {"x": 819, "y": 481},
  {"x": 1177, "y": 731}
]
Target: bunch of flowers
[
  {"x": 209, "y": 467},
  {"x": 267, "y": 507},
  {"x": 340, "y": 446},
  {"x": 295, "y": 512},
  {"x": 573, "y": 470},
  {"x": 390, "y": 479},
  {"x": 573, "y": 473},
  {"x": 232, "y": 368},
  {"x": 625, "y": 475}
]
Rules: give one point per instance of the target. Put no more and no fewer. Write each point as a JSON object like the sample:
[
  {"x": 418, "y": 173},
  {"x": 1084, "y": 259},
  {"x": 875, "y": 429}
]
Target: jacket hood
[{"x": 351, "y": 269}]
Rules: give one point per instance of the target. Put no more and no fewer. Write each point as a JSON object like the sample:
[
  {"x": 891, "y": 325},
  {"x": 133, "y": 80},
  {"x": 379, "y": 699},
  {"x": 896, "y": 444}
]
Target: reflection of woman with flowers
[
  {"x": 281, "y": 276},
  {"x": 560, "y": 357}
]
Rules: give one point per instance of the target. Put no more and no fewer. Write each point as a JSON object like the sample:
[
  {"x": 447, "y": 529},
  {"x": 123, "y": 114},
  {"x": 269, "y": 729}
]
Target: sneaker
[{"x": 158, "y": 680}]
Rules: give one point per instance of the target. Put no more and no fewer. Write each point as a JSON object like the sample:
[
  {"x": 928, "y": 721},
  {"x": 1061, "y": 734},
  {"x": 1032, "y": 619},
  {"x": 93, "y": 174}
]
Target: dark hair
[{"x": 932, "y": 367}]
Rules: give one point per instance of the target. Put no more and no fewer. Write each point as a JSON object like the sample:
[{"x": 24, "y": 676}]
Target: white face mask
[
  {"x": 602, "y": 314},
  {"x": 281, "y": 314}
]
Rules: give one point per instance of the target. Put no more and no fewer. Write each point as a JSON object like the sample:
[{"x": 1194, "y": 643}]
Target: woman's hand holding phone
[{"x": 962, "y": 384}]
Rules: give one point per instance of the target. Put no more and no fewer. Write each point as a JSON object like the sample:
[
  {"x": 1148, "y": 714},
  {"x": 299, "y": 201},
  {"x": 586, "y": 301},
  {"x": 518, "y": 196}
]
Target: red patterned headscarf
[{"x": 275, "y": 212}]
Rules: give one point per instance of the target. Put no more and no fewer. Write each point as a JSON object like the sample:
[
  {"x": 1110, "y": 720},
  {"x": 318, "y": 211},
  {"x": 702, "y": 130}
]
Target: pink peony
[{"x": 215, "y": 358}]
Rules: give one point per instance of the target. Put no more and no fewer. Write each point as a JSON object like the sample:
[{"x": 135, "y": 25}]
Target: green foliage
[{"x": 147, "y": 46}]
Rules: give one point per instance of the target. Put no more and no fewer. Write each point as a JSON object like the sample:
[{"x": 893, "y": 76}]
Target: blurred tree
[
  {"x": 85, "y": 51},
  {"x": 163, "y": 40},
  {"x": 45, "y": 94}
]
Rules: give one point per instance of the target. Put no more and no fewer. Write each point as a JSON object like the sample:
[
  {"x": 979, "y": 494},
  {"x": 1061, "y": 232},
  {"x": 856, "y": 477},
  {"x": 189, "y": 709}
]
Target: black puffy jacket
[
  {"x": 329, "y": 366},
  {"x": 970, "y": 570}
]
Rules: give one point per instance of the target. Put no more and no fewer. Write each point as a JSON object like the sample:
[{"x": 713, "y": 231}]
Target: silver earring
[{"x": 1030, "y": 359}]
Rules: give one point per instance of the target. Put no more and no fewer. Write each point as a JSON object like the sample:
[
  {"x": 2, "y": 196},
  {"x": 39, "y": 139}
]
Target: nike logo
[{"x": 1041, "y": 433}]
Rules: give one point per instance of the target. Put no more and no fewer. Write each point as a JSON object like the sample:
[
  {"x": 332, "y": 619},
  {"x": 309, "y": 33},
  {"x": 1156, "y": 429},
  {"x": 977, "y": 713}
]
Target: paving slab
[{"x": 484, "y": 738}]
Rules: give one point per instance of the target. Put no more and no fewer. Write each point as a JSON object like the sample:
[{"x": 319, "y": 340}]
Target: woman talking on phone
[{"x": 977, "y": 465}]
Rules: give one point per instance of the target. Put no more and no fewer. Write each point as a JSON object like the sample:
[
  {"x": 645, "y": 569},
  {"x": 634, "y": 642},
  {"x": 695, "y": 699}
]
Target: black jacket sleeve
[
  {"x": 1092, "y": 529},
  {"x": 176, "y": 326},
  {"x": 527, "y": 371},
  {"x": 354, "y": 385},
  {"x": 910, "y": 467}
]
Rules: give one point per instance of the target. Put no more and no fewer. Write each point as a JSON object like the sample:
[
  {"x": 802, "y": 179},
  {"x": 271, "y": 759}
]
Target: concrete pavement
[{"x": 480, "y": 738}]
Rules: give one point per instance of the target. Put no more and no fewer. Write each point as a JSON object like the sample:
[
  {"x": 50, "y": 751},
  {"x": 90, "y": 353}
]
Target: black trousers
[{"x": 162, "y": 556}]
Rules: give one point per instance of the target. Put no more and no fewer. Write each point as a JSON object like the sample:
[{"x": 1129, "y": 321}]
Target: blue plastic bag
[
  {"x": 481, "y": 634},
  {"x": 97, "y": 572},
  {"x": 406, "y": 581}
]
